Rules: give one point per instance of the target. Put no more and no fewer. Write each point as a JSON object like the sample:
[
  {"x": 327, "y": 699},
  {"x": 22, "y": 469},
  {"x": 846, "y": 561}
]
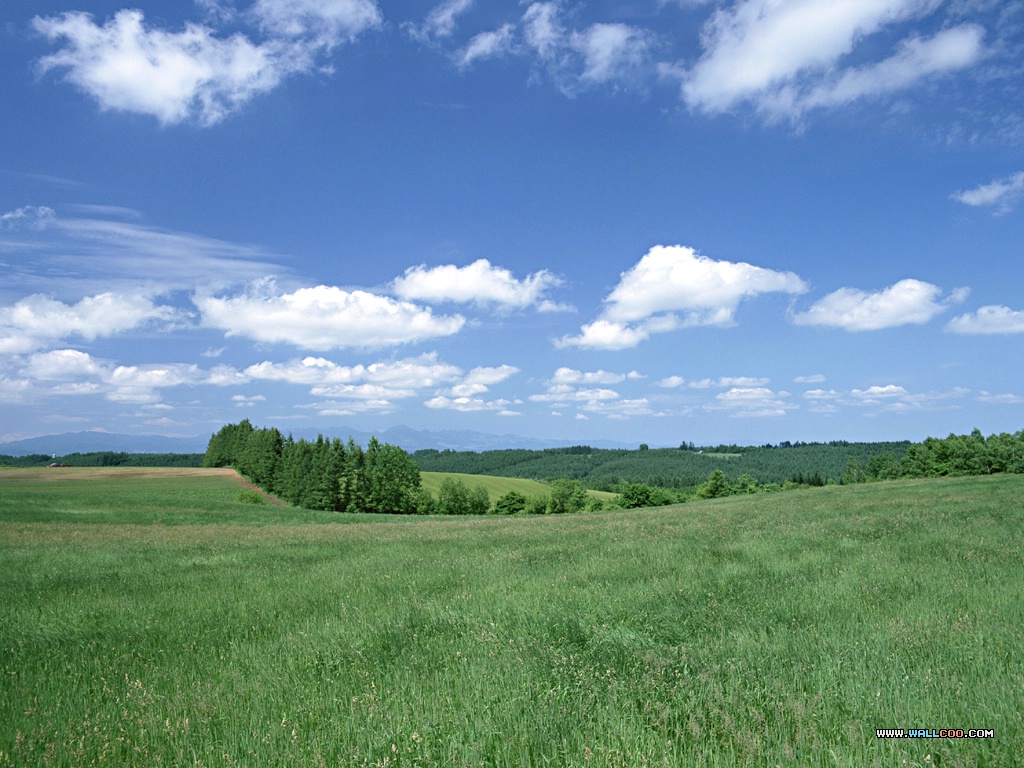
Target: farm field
[{"x": 155, "y": 620}]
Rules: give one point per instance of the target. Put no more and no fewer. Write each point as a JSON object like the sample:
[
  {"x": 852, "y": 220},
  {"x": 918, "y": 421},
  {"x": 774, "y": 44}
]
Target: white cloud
[
  {"x": 481, "y": 379},
  {"x": 602, "y": 334},
  {"x": 903, "y": 303},
  {"x": 468, "y": 404},
  {"x": 440, "y": 22},
  {"x": 816, "y": 378},
  {"x": 38, "y": 320},
  {"x": 786, "y": 56},
  {"x": 411, "y": 373},
  {"x": 324, "y": 22},
  {"x": 564, "y": 393},
  {"x": 676, "y": 279},
  {"x": 671, "y": 382},
  {"x": 620, "y": 409},
  {"x": 195, "y": 74},
  {"x": 610, "y": 51},
  {"x": 389, "y": 381},
  {"x": 171, "y": 76},
  {"x": 487, "y": 45},
  {"x": 122, "y": 257},
  {"x": 72, "y": 372},
  {"x": 543, "y": 30},
  {"x": 324, "y": 317},
  {"x": 63, "y": 365},
  {"x": 35, "y": 217},
  {"x": 916, "y": 59},
  {"x": 478, "y": 283},
  {"x": 573, "y": 376},
  {"x": 576, "y": 59},
  {"x": 822, "y": 394},
  {"x": 873, "y": 394},
  {"x": 1000, "y": 194},
  {"x": 988, "y": 320},
  {"x": 1004, "y": 399},
  {"x": 752, "y": 402}
]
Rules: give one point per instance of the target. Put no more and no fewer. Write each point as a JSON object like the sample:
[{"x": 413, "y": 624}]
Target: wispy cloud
[
  {"x": 1002, "y": 195},
  {"x": 786, "y": 57}
]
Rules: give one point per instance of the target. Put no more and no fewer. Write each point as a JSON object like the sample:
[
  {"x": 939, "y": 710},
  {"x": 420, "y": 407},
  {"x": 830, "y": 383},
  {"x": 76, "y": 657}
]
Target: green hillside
[
  {"x": 663, "y": 467},
  {"x": 151, "y": 619},
  {"x": 498, "y": 486}
]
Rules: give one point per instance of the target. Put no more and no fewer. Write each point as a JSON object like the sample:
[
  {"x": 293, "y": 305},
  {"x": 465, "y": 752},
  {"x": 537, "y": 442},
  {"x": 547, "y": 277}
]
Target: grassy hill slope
[
  {"x": 498, "y": 486},
  {"x": 773, "y": 629}
]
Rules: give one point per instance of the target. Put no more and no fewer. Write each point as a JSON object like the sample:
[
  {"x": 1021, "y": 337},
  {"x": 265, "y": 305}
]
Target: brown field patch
[{"x": 50, "y": 474}]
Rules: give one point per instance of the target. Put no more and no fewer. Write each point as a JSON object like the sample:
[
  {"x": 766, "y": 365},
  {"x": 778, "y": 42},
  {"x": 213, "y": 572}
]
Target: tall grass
[{"x": 778, "y": 629}]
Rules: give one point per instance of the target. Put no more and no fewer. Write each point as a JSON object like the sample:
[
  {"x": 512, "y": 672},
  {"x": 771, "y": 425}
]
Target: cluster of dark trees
[
  {"x": 344, "y": 477},
  {"x": 321, "y": 474}
]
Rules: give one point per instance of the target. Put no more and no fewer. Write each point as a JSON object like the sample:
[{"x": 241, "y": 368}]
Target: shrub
[{"x": 249, "y": 496}]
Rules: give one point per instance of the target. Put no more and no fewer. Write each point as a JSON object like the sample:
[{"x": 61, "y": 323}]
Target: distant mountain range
[{"x": 405, "y": 437}]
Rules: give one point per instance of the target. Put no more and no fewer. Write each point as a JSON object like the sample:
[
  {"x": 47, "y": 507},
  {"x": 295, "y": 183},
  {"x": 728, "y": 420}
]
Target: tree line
[
  {"x": 328, "y": 474},
  {"x": 324, "y": 474}
]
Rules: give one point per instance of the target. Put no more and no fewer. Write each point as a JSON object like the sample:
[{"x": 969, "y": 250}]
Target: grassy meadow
[{"x": 154, "y": 620}]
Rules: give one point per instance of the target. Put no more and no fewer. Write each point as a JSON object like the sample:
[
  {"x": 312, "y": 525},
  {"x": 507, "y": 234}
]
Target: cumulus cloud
[
  {"x": 1001, "y": 194},
  {"x": 991, "y": 319},
  {"x": 72, "y": 372},
  {"x": 752, "y": 402},
  {"x": 674, "y": 287},
  {"x": 481, "y": 379},
  {"x": 479, "y": 283},
  {"x": 893, "y": 398},
  {"x": 786, "y": 56},
  {"x": 573, "y": 376},
  {"x": 903, "y": 303},
  {"x": 564, "y": 393},
  {"x": 469, "y": 404},
  {"x": 410, "y": 373},
  {"x": 674, "y": 382},
  {"x": 323, "y": 318},
  {"x": 196, "y": 74},
  {"x": 671, "y": 382},
  {"x": 584, "y": 389},
  {"x": 38, "y": 320}
]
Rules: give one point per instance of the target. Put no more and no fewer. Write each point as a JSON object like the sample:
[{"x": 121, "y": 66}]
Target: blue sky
[{"x": 736, "y": 221}]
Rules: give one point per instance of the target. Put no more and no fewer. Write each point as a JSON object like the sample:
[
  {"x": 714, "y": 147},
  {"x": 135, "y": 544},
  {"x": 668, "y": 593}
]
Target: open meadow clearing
[{"x": 153, "y": 619}]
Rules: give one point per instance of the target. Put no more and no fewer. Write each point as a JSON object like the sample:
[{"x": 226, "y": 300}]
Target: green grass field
[
  {"x": 154, "y": 621},
  {"x": 498, "y": 486}
]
